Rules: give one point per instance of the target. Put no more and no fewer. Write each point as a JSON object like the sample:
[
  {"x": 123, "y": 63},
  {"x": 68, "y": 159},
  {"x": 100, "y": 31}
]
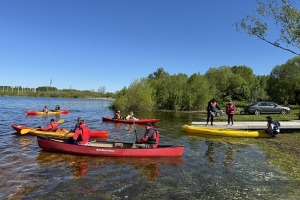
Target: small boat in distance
[
  {"x": 108, "y": 148},
  {"x": 129, "y": 121},
  {"x": 36, "y": 112}
]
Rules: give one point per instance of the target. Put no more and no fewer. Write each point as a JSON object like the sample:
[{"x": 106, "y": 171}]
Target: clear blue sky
[{"x": 87, "y": 44}]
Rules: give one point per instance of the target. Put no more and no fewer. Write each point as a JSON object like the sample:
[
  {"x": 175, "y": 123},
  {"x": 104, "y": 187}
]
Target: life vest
[
  {"x": 230, "y": 108},
  {"x": 117, "y": 116},
  {"x": 82, "y": 134},
  {"x": 276, "y": 125},
  {"x": 54, "y": 126}
]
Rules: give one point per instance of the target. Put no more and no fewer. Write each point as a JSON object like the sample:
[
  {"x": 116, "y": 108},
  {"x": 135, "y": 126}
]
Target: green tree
[
  {"x": 280, "y": 14},
  {"x": 284, "y": 82}
]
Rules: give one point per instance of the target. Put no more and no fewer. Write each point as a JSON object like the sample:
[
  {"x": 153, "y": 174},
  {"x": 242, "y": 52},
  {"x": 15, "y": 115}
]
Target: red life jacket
[{"x": 82, "y": 134}]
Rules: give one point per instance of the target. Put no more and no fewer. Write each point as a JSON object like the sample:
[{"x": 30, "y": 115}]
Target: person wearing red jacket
[
  {"x": 150, "y": 138},
  {"x": 82, "y": 134},
  {"x": 230, "y": 108},
  {"x": 53, "y": 126}
]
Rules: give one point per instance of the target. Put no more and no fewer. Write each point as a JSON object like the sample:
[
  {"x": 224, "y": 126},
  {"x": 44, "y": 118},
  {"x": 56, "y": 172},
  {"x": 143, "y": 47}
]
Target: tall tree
[{"x": 281, "y": 14}]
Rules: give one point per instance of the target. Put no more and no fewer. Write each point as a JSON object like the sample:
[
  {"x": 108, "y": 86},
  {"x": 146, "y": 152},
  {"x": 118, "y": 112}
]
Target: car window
[{"x": 263, "y": 104}]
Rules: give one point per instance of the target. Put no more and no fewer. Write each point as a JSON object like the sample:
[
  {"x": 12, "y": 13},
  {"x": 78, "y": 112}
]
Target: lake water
[{"x": 210, "y": 168}]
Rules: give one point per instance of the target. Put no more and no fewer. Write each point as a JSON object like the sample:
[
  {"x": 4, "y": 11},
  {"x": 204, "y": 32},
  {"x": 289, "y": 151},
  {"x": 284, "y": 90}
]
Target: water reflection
[
  {"x": 24, "y": 141},
  {"x": 149, "y": 168}
]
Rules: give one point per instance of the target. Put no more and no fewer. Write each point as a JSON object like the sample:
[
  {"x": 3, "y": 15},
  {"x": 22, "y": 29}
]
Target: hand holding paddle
[{"x": 27, "y": 130}]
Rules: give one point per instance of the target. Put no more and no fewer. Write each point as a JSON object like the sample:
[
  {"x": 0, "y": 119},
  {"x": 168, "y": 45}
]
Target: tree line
[
  {"x": 163, "y": 91},
  {"x": 46, "y": 91}
]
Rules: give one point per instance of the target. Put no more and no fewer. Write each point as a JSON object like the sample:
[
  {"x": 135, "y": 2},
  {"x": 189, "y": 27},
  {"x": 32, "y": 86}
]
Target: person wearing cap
[
  {"x": 118, "y": 115},
  {"x": 211, "y": 111},
  {"x": 81, "y": 134},
  {"x": 230, "y": 108},
  {"x": 150, "y": 138},
  {"x": 52, "y": 126},
  {"x": 273, "y": 126}
]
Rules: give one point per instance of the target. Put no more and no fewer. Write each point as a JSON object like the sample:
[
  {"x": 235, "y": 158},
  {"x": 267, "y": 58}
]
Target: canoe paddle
[{"x": 27, "y": 130}]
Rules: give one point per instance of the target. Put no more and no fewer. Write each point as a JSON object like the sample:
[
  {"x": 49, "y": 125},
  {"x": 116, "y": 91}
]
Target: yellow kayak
[{"x": 224, "y": 132}]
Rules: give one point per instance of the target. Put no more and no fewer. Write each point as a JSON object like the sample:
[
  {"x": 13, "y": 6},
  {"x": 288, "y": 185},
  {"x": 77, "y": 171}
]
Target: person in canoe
[
  {"x": 273, "y": 126},
  {"x": 81, "y": 135},
  {"x": 118, "y": 115},
  {"x": 52, "y": 126},
  {"x": 76, "y": 125},
  {"x": 211, "y": 111},
  {"x": 150, "y": 138},
  {"x": 130, "y": 116}
]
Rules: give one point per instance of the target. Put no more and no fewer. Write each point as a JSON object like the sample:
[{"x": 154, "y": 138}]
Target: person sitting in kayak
[
  {"x": 118, "y": 115},
  {"x": 81, "y": 135},
  {"x": 150, "y": 138},
  {"x": 130, "y": 116},
  {"x": 53, "y": 126},
  {"x": 57, "y": 108},
  {"x": 273, "y": 126},
  {"x": 45, "y": 109}
]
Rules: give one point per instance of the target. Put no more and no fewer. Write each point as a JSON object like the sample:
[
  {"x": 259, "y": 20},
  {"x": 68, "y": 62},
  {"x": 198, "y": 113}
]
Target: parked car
[{"x": 263, "y": 107}]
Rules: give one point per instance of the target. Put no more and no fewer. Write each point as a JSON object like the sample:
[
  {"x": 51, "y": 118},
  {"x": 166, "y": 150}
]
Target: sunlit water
[{"x": 210, "y": 168}]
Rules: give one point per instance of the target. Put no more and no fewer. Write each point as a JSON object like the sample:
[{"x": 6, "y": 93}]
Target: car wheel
[
  {"x": 257, "y": 112},
  {"x": 283, "y": 112}
]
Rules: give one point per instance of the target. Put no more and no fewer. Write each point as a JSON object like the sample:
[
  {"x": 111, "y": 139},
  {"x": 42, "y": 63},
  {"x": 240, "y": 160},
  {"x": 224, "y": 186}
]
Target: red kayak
[
  {"x": 59, "y": 133},
  {"x": 107, "y": 148},
  {"x": 36, "y": 112},
  {"x": 129, "y": 121}
]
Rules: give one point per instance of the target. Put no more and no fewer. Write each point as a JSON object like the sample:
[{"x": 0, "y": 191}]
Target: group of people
[
  {"x": 46, "y": 110},
  {"x": 273, "y": 126},
  {"x": 211, "y": 111},
  {"x": 128, "y": 117},
  {"x": 81, "y": 135}
]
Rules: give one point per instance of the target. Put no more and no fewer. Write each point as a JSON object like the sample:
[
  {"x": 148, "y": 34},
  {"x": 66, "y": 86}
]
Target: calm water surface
[{"x": 210, "y": 168}]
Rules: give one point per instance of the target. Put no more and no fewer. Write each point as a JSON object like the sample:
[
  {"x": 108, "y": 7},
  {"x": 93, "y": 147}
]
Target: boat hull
[
  {"x": 129, "y": 121},
  {"x": 224, "y": 132},
  {"x": 108, "y": 149},
  {"x": 35, "y": 112},
  {"x": 59, "y": 133}
]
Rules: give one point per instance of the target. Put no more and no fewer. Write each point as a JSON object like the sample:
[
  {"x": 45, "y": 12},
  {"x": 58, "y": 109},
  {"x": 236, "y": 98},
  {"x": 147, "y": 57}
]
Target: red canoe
[
  {"x": 36, "y": 112},
  {"x": 59, "y": 132},
  {"x": 107, "y": 148},
  {"x": 129, "y": 121}
]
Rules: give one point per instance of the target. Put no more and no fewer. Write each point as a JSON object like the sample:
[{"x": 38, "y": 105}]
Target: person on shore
[
  {"x": 211, "y": 111},
  {"x": 273, "y": 127},
  {"x": 52, "y": 126},
  {"x": 150, "y": 138},
  {"x": 82, "y": 133},
  {"x": 230, "y": 109}
]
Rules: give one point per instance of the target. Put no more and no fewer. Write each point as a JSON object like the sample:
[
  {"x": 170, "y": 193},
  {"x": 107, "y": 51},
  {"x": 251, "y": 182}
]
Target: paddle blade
[
  {"x": 60, "y": 121},
  {"x": 26, "y": 130}
]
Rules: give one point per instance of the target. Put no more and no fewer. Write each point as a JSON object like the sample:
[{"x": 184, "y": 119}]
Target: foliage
[
  {"x": 138, "y": 96},
  {"x": 280, "y": 14},
  {"x": 45, "y": 91},
  {"x": 284, "y": 82}
]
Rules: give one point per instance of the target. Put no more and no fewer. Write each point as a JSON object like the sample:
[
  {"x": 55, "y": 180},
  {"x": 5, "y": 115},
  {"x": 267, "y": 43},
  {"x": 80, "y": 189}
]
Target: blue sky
[{"x": 87, "y": 44}]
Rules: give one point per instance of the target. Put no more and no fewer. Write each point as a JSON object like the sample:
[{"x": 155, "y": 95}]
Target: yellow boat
[{"x": 224, "y": 132}]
